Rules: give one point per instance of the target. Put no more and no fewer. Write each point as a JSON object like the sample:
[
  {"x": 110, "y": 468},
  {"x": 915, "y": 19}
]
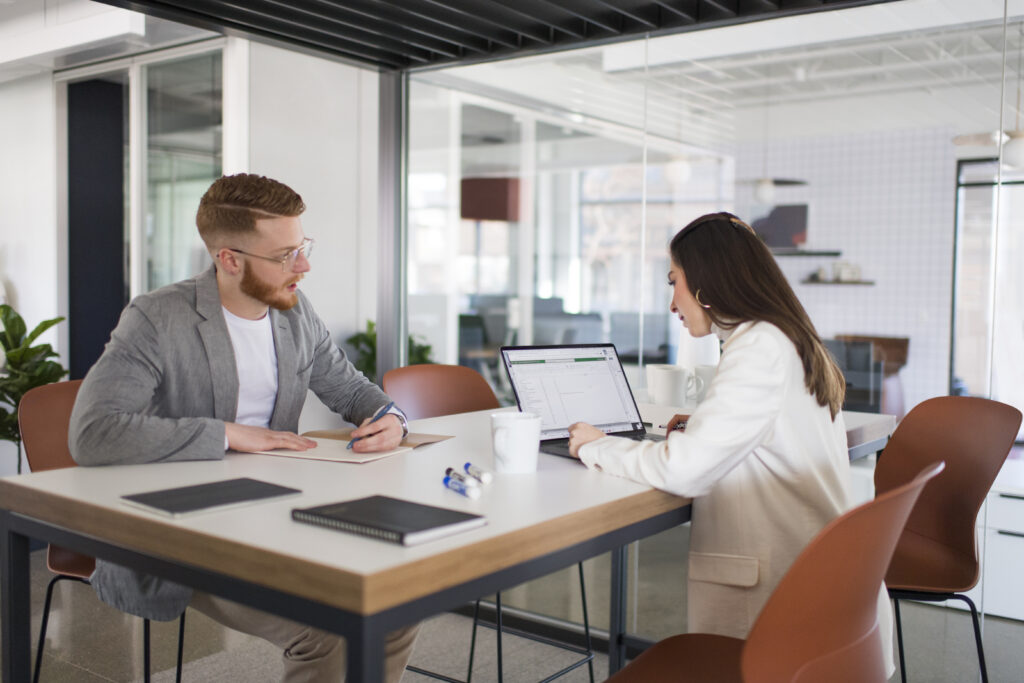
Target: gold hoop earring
[{"x": 699, "y": 302}]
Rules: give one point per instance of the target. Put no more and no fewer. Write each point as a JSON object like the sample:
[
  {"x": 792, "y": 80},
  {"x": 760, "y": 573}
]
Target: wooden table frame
[{"x": 364, "y": 633}]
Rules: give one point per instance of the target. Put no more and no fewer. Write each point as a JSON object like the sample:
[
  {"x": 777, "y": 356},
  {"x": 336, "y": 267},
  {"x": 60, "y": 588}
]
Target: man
[{"x": 223, "y": 362}]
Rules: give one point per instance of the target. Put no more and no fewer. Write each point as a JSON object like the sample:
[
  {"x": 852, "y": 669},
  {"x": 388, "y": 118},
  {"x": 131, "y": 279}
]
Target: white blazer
[{"x": 767, "y": 467}]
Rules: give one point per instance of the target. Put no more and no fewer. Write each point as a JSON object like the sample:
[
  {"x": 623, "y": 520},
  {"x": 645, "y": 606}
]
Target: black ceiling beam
[
  {"x": 298, "y": 14},
  {"x": 461, "y": 21},
  {"x": 420, "y": 24},
  {"x": 409, "y": 34},
  {"x": 684, "y": 10}
]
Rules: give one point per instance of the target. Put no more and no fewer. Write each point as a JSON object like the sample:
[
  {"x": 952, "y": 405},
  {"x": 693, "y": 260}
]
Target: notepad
[
  {"x": 217, "y": 495},
  {"x": 334, "y": 450},
  {"x": 390, "y": 519}
]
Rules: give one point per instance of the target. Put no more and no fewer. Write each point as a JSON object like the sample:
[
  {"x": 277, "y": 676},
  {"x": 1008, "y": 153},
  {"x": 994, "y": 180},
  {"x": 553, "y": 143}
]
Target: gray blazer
[{"x": 166, "y": 384}]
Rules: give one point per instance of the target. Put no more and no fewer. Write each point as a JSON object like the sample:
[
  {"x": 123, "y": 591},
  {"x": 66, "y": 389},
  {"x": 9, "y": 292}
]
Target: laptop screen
[{"x": 567, "y": 384}]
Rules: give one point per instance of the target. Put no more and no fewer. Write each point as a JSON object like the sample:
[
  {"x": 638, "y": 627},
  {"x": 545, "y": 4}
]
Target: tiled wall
[{"x": 886, "y": 200}]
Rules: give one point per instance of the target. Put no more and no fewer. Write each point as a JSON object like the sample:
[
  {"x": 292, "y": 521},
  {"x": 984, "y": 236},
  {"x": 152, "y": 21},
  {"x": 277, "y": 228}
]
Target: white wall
[
  {"x": 28, "y": 209},
  {"x": 313, "y": 125},
  {"x": 887, "y": 201}
]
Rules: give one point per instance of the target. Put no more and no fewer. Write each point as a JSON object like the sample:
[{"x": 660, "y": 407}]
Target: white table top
[
  {"x": 528, "y": 514},
  {"x": 861, "y": 428}
]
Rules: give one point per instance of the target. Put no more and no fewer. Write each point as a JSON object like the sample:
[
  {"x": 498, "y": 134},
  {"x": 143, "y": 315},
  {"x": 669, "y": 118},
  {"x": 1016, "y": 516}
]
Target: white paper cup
[{"x": 515, "y": 438}]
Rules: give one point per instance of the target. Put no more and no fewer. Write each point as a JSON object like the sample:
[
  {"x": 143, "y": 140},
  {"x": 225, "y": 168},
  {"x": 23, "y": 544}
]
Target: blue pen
[{"x": 376, "y": 416}]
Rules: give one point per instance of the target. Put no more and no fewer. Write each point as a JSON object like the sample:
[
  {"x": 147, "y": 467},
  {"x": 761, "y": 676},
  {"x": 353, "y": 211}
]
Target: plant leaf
[
  {"x": 14, "y": 327},
  {"x": 42, "y": 327}
]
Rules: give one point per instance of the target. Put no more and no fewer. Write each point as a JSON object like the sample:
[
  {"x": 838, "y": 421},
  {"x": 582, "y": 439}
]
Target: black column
[{"x": 96, "y": 203}]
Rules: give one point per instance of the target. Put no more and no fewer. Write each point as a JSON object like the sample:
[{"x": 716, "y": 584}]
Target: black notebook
[
  {"x": 389, "y": 519},
  {"x": 205, "y": 497}
]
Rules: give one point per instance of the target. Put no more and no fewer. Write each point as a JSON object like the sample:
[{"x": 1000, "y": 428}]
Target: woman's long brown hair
[{"x": 739, "y": 281}]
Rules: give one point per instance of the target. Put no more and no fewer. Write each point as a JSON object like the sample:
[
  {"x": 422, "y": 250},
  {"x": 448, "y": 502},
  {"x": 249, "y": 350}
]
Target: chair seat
[
  {"x": 687, "y": 658},
  {"x": 925, "y": 565},
  {"x": 69, "y": 563}
]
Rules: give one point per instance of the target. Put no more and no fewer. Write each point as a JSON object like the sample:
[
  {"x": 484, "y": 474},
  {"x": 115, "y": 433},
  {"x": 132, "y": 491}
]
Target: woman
[{"x": 764, "y": 455}]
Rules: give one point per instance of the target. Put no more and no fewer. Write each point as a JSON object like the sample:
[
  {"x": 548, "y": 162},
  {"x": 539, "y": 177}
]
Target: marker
[
  {"x": 457, "y": 486},
  {"x": 481, "y": 475},
  {"x": 459, "y": 476},
  {"x": 378, "y": 415}
]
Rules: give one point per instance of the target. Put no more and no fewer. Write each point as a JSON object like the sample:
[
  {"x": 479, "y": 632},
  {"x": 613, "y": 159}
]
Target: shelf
[
  {"x": 837, "y": 282},
  {"x": 786, "y": 251}
]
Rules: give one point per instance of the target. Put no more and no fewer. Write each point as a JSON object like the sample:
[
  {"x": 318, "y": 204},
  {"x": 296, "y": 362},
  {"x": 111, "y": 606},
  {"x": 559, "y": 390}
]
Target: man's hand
[
  {"x": 581, "y": 433},
  {"x": 248, "y": 438},
  {"x": 676, "y": 423},
  {"x": 382, "y": 435}
]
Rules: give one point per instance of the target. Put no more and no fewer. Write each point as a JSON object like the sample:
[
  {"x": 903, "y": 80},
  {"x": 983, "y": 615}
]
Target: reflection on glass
[
  {"x": 616, "y": 148},
  {"x": 183, "y": 140}
]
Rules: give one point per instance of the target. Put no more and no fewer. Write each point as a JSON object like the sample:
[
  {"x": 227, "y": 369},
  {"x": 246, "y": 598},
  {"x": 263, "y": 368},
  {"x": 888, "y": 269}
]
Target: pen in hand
[{"x": 376, "y": 416}]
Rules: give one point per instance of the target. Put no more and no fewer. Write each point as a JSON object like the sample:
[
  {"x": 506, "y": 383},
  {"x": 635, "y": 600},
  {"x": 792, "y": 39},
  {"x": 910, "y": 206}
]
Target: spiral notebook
[{"x": 390, "y": 519}]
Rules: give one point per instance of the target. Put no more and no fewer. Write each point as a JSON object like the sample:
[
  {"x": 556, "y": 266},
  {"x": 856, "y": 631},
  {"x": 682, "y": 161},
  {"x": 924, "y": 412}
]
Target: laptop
[{"x": 565, "y": 384}]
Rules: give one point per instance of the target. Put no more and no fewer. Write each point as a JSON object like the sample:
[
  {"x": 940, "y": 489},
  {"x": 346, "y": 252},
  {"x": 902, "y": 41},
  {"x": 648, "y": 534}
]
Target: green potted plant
[
  {"x": 25, "y": 367},
  {"x": 365, "y": 345}
]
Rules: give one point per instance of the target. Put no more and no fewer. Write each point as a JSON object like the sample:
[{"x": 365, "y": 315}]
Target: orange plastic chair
[
  {"x": 937, "y": 556},
  {"x": 820, "y": 623},
  {"x": 43, "y": 417},
  {"x": 435, "y": 390}
]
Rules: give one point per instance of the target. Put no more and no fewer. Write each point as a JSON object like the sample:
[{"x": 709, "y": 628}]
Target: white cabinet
[{"x": 1001, "y": 546}]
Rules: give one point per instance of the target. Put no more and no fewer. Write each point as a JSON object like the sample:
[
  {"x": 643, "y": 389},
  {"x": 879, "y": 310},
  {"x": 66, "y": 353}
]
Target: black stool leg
[
  {"x": 899, "y": 640},
  {"x": 46, "y": 618},
  {"x": 145, "y": 650},
  {"x": 42, "y": 628},
  {"x": 977, "y": 636},
  {"x": 586, "y": 624},
  {"x": 181, "y": 646},
  {"x": 497, "y": 607},
  {"x": 472, "y": 642}
]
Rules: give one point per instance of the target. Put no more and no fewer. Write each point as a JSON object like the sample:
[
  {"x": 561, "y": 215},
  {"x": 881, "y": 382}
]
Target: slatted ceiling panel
[{"x": 408, "y": 34}]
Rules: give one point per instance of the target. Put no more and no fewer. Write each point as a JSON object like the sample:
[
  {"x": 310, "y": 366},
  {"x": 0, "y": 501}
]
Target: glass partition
[
  {"x": 837, "y": 135},
  {"x": 183, "y": 149}
]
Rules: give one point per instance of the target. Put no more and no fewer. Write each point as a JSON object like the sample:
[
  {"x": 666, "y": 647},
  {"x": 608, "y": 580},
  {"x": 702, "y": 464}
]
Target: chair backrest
[
  {"x": 43, "y": 417},
  {"x": 973, "y": 436},
  {"x": 821, "y": 622},
  {"x": 433, "y": 390}
]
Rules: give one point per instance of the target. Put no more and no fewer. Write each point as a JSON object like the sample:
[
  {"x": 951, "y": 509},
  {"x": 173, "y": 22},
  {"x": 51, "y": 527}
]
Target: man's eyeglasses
[{"x": 288, "y": 260}]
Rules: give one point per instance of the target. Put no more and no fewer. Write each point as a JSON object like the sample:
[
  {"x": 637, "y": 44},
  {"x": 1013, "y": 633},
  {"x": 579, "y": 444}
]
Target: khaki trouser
[{"x": 310, "y": 655}]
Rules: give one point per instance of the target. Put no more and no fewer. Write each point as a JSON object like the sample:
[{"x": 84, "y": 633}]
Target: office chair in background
[
  {"x": 821, "y": 621},
  {"x": 43, "y": 417},
  {"x": 435, "y": 390},
  {"x": 937, "y": 556}
]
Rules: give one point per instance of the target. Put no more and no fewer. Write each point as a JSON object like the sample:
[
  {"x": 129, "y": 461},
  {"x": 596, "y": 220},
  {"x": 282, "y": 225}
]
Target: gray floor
[{"x": 88, "y": 641}]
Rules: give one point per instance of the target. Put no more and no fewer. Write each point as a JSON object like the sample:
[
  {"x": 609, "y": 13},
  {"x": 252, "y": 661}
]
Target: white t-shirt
[{"x": 256, "y": 362}]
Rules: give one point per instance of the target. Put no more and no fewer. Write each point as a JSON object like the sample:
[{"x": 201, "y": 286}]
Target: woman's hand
[
  {"x": 581, "y": 433},
  {"x": 677, "y": 422}
]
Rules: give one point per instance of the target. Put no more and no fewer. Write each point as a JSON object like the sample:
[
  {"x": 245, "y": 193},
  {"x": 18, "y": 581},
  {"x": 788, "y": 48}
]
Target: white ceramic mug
[
  {"x": 515, "y": 438},
  {"x": 706, "y": 373},
  {"x": 672, "y": 385}
]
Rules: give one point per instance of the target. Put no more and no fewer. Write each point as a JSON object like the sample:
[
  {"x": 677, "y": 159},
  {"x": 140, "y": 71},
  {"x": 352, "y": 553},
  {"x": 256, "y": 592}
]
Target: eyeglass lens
[{"x": 306, "y": 249}]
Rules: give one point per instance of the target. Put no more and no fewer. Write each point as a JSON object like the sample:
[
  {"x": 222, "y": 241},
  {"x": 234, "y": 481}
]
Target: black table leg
[
  {"x": 617, "y": 617},
  {"x": 366, "y": 654},
  {"x": 14, "y": 593}
]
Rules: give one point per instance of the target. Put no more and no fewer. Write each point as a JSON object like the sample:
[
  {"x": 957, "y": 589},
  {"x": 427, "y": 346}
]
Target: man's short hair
[{"x": 233, "y": 204}]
